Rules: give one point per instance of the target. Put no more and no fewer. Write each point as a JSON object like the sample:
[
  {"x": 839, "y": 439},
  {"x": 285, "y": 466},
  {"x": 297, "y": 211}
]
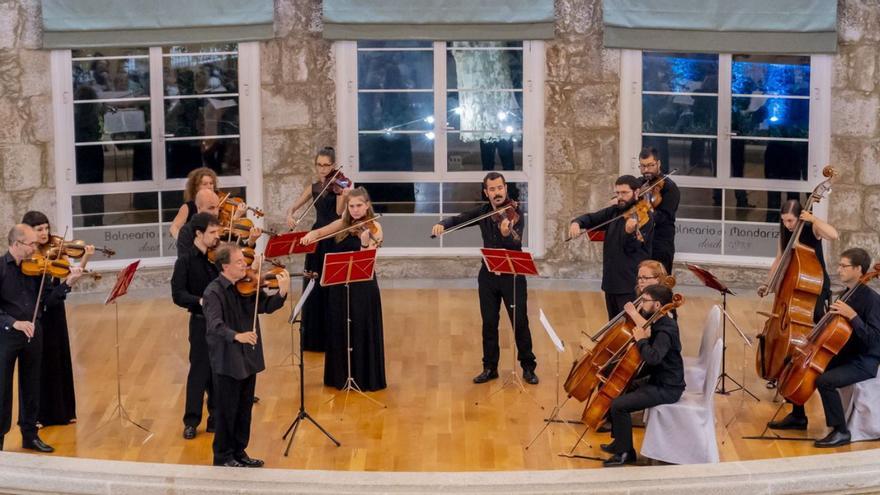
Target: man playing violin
[
  {"x": 859, "y": 358},
  {"x": 21, "y": 336},
  {"x": 660, "y": 348},
  {"x": 193, "y": 271},
  {"x": 626, "y": 244},
  {"x": 235, "y": 348},
  {"x": 495, "y": 288},
  {"x": 207, "y": 201},
  {"x": 663, "y": 247}
]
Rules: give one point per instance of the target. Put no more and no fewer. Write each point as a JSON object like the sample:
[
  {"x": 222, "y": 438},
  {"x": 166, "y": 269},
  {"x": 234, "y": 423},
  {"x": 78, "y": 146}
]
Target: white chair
[
  {"x": 695, "y": 367},
  {"x": 684, "y": 432},
  {"x": 861, "y": 402}
]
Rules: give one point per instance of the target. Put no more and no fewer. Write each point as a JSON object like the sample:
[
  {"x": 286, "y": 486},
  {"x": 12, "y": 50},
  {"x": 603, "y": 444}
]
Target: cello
[
  {"x": 808, "y": 361},
  {"x": 797, "y": 283}
]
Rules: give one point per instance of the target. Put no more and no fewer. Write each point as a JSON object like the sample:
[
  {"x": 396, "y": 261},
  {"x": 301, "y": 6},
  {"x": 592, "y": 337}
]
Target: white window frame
[
  {"x": 65, "y": 162},
  {"x": 533, "y": 146},
  {"x": 821, "y": 69}
]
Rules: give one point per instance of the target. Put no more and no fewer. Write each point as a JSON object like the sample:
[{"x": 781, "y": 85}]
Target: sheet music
[
  {"x": 550, "y": 332},
  {"x": 302, "y": 299}
]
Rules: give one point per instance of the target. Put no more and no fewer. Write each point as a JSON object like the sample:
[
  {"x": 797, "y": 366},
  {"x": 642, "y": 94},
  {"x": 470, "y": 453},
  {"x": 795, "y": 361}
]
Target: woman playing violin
[
  {"x": 196, "y": 180},
  {"x": 367, "y": 335}
]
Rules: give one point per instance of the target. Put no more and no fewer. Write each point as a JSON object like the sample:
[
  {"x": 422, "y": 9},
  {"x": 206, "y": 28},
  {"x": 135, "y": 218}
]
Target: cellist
[
  {"x": 660, "y": 349},
  {"x": 859, "y": 358}
]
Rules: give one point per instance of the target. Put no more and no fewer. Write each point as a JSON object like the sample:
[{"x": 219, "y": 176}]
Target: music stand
[
  {"x": 347, "y": 268},
  {"x": 123, "y": 281},
  {"x": 302, "y": 414},
  {"x": 506, "y": 261},
  {"x": 712, "y": 282},
  {"x": 283, "y": 245}
]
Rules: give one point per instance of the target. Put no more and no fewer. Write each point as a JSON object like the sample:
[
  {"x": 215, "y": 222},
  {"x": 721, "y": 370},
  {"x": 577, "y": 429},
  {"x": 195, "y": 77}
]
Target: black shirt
[
  {"x": 622, "y": 252},
  {"x": 661, "y": 353},
  {"x": 664, "y": 215},
  {"x": 864, "y": 343},
  {"x": 809, "y": 239},
  {"x": 227, "y": 313},
  {"x": 192, "y": 274},
  {"x": 489, "y": 228},
  {"x": 186, "y": 235},
  {"x": 18, "y": 294}
]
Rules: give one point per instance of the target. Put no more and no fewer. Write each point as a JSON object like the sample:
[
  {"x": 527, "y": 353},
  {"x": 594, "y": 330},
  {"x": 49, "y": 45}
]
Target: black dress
[
  {"x": 57, "y": 399},
  {"x": 367, "y": 339},
  {"x": 190, "y": 210},
  {"x": 314, "y": 312}
]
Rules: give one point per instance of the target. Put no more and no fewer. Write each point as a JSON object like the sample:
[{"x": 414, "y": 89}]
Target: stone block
[
  {"x": 871, "y": 212},
  {"x": 845, "y": 208},
  {"x": 846, "y": 157},
  {"x": 869, "y": 241},
  {"x": 12, "y": 115},
  {"x": 597, "y": 152},
  {"x": 284, "y": 111},
  {"x": 31, "y": 25},
  {"x": 578, "y": 17},
  {"x": 863, "y": 68},
  {"x": 854, "y": 114},
  {"x": 559, "y": 106},
  {"x": 38, "y": 128},
  {"x": 858, "y": 20},
  {"x": 595, "y": 106},
  {"x": 560, "y": 151},
  {"x": 22, "y": 166},
  {"x": 869, "y": 164},
  {"x": 9, "y": 20}
]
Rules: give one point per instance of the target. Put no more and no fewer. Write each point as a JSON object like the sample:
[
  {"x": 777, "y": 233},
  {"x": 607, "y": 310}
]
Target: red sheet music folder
[
  {"x": 507, "y": 261},
  {"x": 287, "y": 244},
  {"x": 123, "y": 280},
  {"x": 708, "y": 279},
  {"x": 351, "y": 266}
]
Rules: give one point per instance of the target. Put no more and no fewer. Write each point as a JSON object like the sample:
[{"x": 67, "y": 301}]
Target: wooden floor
[{"x": 436, "y": 419}]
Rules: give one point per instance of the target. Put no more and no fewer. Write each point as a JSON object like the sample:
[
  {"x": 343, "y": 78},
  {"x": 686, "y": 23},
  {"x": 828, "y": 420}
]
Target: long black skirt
[{"x": 367, "y": 338}]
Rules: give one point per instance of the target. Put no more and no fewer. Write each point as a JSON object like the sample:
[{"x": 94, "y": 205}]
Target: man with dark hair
[
  {"x": 193, "y": 271},
  {"x": 625, "y": 246},
  {"x": 235, "y": 347},
  {"x": 207, "y": 201},
  {"x": 494, "y": 288},
  {"x": 21, "y": 334},
  {"x": 660, "y": 348},
  {"x": 859, "y": 358},
  {"x": 663, "y": 248}
]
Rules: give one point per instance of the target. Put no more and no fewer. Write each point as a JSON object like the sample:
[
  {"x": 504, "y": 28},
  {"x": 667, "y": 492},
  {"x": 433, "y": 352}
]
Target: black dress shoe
[
  {"x": 248, "y": 461},
  {"x": 834, "y": 439},
  {"x": 605, "y": 427},
  {"x": 607, "y": 447},
  {"x": 530, "y": 377},
  {"x": 36, "y": 444},
  {"x": 229, "y": 463},
  {"x": 618, "y": 460},
  {"x": 486, "y": 375},
  {"x": 189, "y": 432},
  {"x": 789, "y": 422}
]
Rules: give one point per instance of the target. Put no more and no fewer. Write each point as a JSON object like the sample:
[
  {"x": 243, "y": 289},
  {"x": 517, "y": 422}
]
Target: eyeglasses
[
  {"x": 28, "y": 244},
  {"x": 643, "y": 166},
  {"x": 842, "y": 265},
  {"x": 324, "y": 165},
  {"x": 641, "y": 279},
  {"x": 646, "y": 300}
]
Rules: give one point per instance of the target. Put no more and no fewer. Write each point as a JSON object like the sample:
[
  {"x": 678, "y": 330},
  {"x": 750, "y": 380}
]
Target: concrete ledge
[{"x": 852, "y": 472}]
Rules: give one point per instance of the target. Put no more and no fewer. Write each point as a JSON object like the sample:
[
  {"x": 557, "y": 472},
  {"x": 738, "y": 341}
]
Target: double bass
[{"x": 797, "y": 283}]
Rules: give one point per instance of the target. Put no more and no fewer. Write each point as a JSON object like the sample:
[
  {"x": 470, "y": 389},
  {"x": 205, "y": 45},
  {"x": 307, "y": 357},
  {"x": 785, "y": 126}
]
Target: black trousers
[
  {"x": 493, "y": 289},
  {"x": 233, "y": 402},
  {"x": 14, "y": 346},
  {"x": 614, "y": 302},
  {"x": 642, "y": 397},
  {"x": 198, "y": 380},
  {"x": 840, "y": 373}
]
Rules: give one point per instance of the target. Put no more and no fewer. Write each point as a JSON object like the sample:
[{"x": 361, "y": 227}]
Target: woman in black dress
[
  {"x": 57, "y": 398},
  {"x": 200, "y": 178},
  {"x": 364, "y": 309},
  {"x": 328, "y": 207}
]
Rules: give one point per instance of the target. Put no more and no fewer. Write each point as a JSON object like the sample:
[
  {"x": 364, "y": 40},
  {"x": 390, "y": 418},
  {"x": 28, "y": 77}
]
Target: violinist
[
  {"x": 660, "y": 350},
  {"x": 57, "y": 396},
  {"x": 192, "y": 274},
  {"x": 367, "y": 331},
  {"x": 495, "y": 288},
  {"x": 207, "y": 201},
  {"x": 626, "y": 244},
  {"x": 663, "y": 247},
  {"x": 21, "y": 333},
  {"x": 235, "y": 347},
  {"x": 859, "y": 358},
  {"x": 328, "y": 201},
  {"x": 196, "y": 180}
]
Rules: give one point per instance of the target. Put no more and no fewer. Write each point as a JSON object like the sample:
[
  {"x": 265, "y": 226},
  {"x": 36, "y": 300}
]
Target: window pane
[
  {"x": 396, "y": 70},
  {"x": 118, "y": 162},
  {"x": 482, "y": 68},
  {"x": 750, "y": 239},
  {"x": 484, "y": 151},
  {"x": 769, "y": 159},
  {"x": 102, "y": 52},
  {"x": 201, "y": 117},
  {"x": 680, "y": 114},
  {"x": 404, "y": 197},
  {"x": 120, "y": 121},
  {"x": 484, "y": 110},
  {"x": 200, "y": 74},
  {"x": 396, "y": 152},
  {"x": 134, "y": 242},
  {"x": 395, "y": 111},
  {"x": 771, "y": 117},
  {"x": 200, "y": 48},
  {"x": 696, "y": 236},
  {"x": 680, "y": 72},
  {"x": 757, "y": 206},
  {"x": 771, "y": 74},
  {"x": 394, "y": 44},
  {"x": 689, "y": 156},
  {"x": 114, "y": 78},
  {"x": 222, "y": 155},
  {"x": 115, "y": 209},
  {"x": 702, "y": 204}
]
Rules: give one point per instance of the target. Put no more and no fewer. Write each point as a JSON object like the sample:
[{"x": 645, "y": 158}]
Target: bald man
[
  {"x": 21, "y": 338},
  {"x": 206, "y": 202}
]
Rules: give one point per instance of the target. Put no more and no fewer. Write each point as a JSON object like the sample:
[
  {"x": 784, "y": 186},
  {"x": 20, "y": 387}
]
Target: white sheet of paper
[
  {"x": 550, "y": 332},
  {"x": 302, "y": 299}
]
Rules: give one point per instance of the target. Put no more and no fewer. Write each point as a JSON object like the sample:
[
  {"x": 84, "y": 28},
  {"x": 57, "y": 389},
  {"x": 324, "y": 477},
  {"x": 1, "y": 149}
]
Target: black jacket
[
  {"x": 863, "y": 345},
  {"x": 192, "y": 274},
  {"x": 622, "y": 252},
  {"x": 18, "y": 294},
  {"x": 489, "y": 228},
  {"x": 661, "y": 353}
]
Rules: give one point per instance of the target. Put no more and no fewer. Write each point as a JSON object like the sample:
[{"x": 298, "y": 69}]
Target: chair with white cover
[
  {"x": 684, "y": 432},
  {"x": 695, "y": 367},
  {"x": 861, "y": 401}
]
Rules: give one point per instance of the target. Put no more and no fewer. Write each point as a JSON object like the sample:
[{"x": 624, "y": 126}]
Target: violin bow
[
  {"x": 473, "y": 220},
  {"x": 312, "y": 205},
  {"x": 257, "y": 300},
  {"x": 346, "y": 229},
  {"x": 43, "y": 283}
]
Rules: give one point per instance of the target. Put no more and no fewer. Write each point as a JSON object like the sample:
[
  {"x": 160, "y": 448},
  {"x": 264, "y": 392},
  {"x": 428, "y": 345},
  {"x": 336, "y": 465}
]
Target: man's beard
[{"x": 646, "y": 314}]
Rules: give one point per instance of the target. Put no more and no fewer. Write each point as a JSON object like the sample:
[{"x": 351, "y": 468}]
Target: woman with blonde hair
[{"x": 651, "y": 272}]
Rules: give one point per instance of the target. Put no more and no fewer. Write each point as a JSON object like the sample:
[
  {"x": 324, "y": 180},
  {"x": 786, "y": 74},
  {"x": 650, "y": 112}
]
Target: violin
[
  {"x": 72, "y": 249},
  {"x": 509, "y": 213},
  {"x": 231, "y": 204},
  {"x": 372, "y": 227},
  {"x": 369, "y": 223},
  {"x": 241, "y": 228},
  {"x": 247, "y": 286},
  {"x": 641, "y": 212},
  {"x": 336, "y": 181},
  {"x": 38, "y": 264}
]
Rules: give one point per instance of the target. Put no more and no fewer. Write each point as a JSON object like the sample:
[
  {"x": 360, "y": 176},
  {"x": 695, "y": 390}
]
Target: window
[
  {"x": 131, "y": 123},
  {"x": 421, "y": 123},
  {"x": 743, "y": 133}
]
